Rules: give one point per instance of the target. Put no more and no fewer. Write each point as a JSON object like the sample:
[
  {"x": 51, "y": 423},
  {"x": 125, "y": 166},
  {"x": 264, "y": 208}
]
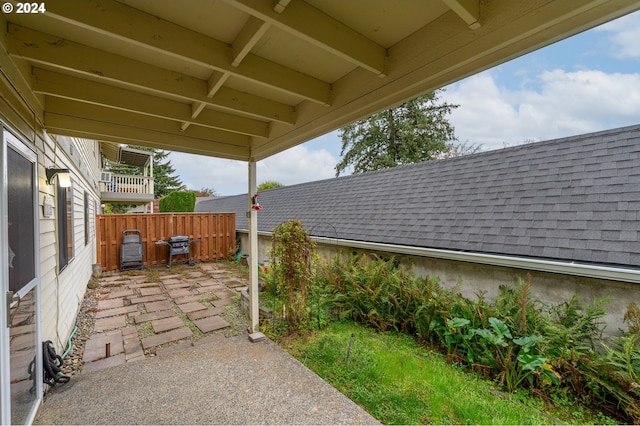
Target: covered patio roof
[{"x": 246, "y": 79}]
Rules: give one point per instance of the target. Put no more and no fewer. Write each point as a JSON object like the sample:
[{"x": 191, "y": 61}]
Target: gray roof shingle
[{"x": 575, "y": 198}]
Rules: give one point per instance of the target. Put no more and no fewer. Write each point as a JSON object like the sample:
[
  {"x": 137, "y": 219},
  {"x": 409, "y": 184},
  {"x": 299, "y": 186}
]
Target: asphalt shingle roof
[{"x": 575, "y": 199}]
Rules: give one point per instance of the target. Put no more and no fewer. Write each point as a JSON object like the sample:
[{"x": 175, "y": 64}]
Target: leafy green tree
[
  {"x": 269, "y": 184},
  {"x": 204, "y": 192},
  {"x": 415, "y": 131}
]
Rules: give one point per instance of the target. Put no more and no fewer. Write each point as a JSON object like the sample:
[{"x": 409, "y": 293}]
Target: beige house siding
[{"x": 61, "y": 292}]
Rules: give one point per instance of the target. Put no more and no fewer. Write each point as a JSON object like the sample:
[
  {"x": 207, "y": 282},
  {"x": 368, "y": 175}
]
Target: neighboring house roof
[{"x": 574, "y": 199}]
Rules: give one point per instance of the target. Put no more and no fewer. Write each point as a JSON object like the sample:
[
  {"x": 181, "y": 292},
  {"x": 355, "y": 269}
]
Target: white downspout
[{"x": 253, "y": 252}]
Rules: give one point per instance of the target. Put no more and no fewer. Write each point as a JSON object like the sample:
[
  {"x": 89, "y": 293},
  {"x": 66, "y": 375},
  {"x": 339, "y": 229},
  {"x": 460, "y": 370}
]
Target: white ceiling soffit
[{"x": 245, "y": 79}]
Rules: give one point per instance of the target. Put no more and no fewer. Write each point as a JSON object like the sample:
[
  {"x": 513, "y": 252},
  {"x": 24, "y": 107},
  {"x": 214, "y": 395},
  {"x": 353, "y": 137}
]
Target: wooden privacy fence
[{"x": 217, "y": 232}]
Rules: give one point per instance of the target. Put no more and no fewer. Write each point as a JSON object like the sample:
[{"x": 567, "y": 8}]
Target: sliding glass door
[{"x": 20, "y": 387}]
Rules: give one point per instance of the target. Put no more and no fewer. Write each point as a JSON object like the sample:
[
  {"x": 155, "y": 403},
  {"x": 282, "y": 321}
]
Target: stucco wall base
[{"x": 472, "y": 279}]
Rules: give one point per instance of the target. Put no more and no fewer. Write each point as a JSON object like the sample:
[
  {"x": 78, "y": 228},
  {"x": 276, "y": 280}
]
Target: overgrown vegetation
[{"x": 554, "y": 352}]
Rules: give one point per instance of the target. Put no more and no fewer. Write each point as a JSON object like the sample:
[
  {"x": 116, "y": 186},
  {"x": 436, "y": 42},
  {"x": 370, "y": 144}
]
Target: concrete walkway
[
  {"x": 163, "y": 353},
  {"x": 229, "y": 381}
]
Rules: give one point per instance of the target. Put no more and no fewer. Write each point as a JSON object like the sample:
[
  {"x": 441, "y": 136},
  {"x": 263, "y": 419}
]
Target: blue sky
[{"x": 586, "y": 83}]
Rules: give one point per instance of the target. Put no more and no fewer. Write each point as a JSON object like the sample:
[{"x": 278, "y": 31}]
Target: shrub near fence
[{"x": 217, "y": 232}]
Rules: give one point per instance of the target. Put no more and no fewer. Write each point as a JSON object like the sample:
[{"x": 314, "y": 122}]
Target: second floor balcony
[{"x": 126, "y": 189}]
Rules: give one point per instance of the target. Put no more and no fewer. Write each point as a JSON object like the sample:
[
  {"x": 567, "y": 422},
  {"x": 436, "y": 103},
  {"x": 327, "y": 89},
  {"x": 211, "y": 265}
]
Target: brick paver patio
[{"x": 142, "y": 313}]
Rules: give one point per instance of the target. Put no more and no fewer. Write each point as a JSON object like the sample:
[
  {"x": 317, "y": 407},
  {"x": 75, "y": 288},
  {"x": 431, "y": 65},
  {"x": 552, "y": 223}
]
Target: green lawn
[{"x": 399, "y": 382}]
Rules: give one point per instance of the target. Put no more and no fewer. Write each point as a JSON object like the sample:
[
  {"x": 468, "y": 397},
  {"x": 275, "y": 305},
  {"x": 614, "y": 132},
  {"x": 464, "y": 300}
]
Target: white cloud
[
  {"x": 562, "y": 104},
  {"x": 297, "y": 165},
  {"x": 624, "y": 34},
  {"x": 228, "y": 177}
]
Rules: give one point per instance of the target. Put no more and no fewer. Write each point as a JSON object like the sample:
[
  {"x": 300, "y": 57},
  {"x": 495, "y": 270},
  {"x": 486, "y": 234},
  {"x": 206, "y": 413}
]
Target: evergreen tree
[
  {"x": 415, "y": 131},
  {"x": 164, "y": 180}
]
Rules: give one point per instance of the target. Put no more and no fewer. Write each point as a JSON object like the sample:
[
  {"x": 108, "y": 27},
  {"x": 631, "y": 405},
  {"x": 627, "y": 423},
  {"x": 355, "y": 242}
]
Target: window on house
[
  {"x": 87, "y": 215},
  {"x": 65, "y": 225}
]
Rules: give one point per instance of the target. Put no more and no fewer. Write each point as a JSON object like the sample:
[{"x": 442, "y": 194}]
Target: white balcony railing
[{"x": 127, "y": 188}]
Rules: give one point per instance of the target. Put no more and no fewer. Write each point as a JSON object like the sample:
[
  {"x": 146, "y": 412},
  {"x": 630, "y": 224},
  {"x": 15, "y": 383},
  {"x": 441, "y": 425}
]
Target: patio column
[{"x": 253, "y": 252}]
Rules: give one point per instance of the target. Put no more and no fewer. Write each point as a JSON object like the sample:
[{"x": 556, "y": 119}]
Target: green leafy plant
[
  {"x": 512, "y": 358},
  {"x": 456, "y": 341}
]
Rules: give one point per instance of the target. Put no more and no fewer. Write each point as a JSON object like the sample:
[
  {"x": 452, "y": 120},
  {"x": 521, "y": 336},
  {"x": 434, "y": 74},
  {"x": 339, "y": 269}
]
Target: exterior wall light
[{"x": 64, "y": 178}]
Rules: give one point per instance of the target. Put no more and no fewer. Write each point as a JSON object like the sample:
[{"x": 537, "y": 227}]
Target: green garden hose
[{"x": 69, "y": 346}]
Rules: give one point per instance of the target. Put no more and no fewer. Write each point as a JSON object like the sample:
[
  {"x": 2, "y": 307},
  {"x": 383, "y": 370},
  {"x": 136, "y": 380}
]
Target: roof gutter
[{"x": 558, "y": 267}]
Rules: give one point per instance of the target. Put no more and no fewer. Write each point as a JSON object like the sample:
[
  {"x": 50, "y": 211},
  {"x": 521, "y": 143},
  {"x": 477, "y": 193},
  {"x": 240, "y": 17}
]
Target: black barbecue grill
[{"x": 178, "y": 244}]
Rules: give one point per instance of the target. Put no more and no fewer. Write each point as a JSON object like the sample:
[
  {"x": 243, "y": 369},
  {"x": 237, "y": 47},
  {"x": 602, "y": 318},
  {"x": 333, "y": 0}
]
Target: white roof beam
[
  {"x": 138, "y": 122},
  {"x": 134, "y": 26},
  {"x": 280, "y": 5},
  {"x": 215, "y": 82},
  {"x": 48, "y": 50},
  {"x": 20, "y": 78},
  {"x": 73, "y": 88},
  {"x": 91, "y": 129},
  {"x": 312, "y": 25},
  {"x": 250, "y": 34},
  {"x": 64, "y": 116},
  {"x": 468, "y": 10}
]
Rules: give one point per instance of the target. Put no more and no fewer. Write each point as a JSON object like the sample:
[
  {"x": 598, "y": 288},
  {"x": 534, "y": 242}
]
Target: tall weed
[{"x": 292, "y": 254}]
